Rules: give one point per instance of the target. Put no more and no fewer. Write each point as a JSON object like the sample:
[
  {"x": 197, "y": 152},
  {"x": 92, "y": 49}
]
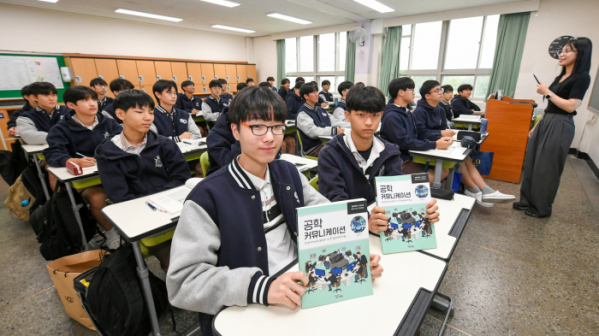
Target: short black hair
[
  {"x": 270, "y": 78},
  {"x": 42, "y": 88},
  {"x": 307, "y": 88},
  {"x": 299, "y": 79},
  {"x": 402, "y": 83},
  {"x": 247, "y": 81},
  {"x": 97, "y": 81},
  {"x": 366, "y": 99},
  {"x": 284, "y": 81},
  {"x": 120, "y": 84},
  {"x": 222, "y": 81},
  {"x": 26, "y": 90},
  {"x": 344, "y": 86},
  {"x": 76, "y": 93},
  {"x": 162, "y": 85},
  {"x": 215, "y": 83},
  {"x": 465, "y": 87},
  {"x": 132, "y": 99},
  {"x": 257, "y": 103},
  {"x": 265, "y": 84},
  {"x": 325, "y": 82},
  {"x": 241, "y": 86},
  {"x": 427, "y": 86},
  {"x": 186, "y": 83},
  {"x": 298, "y": 85},
  {"x": 447, "y": 88}
]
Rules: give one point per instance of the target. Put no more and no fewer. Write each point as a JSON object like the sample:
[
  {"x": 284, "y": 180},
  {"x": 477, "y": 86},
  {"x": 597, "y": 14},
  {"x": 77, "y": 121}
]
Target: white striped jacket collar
[
  {"x": 309, "y": 107},
  {"x": 161, "y": 109},
  {"x": 239, "y": 176}
]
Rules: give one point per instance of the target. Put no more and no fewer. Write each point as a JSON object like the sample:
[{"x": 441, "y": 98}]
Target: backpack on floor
[
  {"x": 12, "y": 163},
  {"x": 33, "y": 184},
  {"x": 114, "y": 298},
  {"x": 56, "y": 227},
  {"x": 17, "y": 193}
]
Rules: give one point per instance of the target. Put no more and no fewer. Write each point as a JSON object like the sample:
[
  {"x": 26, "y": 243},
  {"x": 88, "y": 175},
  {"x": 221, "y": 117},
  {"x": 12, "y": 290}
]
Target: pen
[
  {"x": 80, "y": 154},
  {"x": 151, "y": 206}
]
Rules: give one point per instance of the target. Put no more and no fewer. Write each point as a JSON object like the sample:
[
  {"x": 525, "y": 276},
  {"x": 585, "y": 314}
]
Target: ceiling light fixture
[
  {"x": 223, "y": 3},
  {"x": 377, "y": 6},
  {"x": 52, "y": 1},
  {"x": 234, "y": 29},
  {"x": 288, "y": 18},
  {"x": 148, "y": 15}
]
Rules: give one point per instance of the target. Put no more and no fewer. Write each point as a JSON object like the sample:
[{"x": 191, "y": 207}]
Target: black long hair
[{"x": 584, "y": 47}]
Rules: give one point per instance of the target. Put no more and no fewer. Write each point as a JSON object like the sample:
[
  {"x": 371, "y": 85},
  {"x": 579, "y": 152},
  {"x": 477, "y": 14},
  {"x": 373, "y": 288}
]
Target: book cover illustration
[
  {"x": 334, "y": 252},
  {"x": 404, "y": 199}
]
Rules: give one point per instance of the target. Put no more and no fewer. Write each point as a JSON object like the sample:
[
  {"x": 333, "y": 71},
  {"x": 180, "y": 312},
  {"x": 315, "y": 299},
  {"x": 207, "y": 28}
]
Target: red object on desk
[{"x": 74, "y": 168}]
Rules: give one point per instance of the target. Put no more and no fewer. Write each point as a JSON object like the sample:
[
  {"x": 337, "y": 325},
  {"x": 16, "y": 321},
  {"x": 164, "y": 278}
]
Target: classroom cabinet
[
  {"x": 128, "y": 70},
  {"x": 231, "y": 70},
  {"x": 207, "y": 72},
  {"x": 220, "y": 71},
  {"x": 163, "y": 70},
  {"x": 179, "y": 72},
  {"x": 84, "y": 70},
  {"x": 147, "y": 72},
  {"x": 251, "y": 73},
  {"x": 241, "y": 73},
  {"x": 194, "y": 72},
  {"x": 108, "y": 70},
  {"x": 203, "y": 89},
  {"x": 148, "y": 89}
]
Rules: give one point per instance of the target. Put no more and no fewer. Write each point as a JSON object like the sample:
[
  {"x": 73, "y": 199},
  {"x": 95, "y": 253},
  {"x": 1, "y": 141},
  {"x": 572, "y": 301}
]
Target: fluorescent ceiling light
[
  {"x": 233, "y": 28},
  {"x": 377, "y": 6},
  {"x": 223, "y": 3},
  {"x": 148, "y": 15},
  {"x": 288, "y": 18},
  {"x": 52, "y": 1}
]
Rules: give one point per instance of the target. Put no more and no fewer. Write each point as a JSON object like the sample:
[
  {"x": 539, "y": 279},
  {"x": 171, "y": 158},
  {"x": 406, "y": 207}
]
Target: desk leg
[
  {"x": 449, "y": 182},
  {"x": 143, "y": 273},
  {"x": 446, "y": 308},
  {"x": 41, "y": 176},
  {"x": 75, "y": 208},
  {"x": 438, "y": 171}
]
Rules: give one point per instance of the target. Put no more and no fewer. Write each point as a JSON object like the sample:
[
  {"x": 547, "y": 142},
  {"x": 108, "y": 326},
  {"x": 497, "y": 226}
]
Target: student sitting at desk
[
  {"x": 338, "y": 115},
  {"x": 312, "y": 280},
  {"x": 284, "y": 89},
  {"x": 169, "y": 121},
  {"x": 294, "y": 101},
  {"x": 213, "y": 106},
  {"x": 325, "y": 94},
  {"x": 271, "y": 81},
  {"x": 117, "y": 86},
  {"x": 321, "y": 101},
  {"x": 35, "y": 124},
  {"x": 225, "y": 95},
  {"x": 136, "y": 163},
  {"x": 332, "y": 279},
  {"x": 399, "y": 127},
  {"x": 100, "y": 87},
  {"x": 75, "y": 138},
  {"x": 186, "y": 101},
  {"x": 240, "y": 86},
  {"x": 461, "y": 103},
  {"x": 445, "y": 104},
  {"x": 237, "y": 226},
  {"x": 313, "y": 121},
  {"x": 349, "y": 163},
  {"x": 29, "y": 105},
  {"x": 250, "y": 82}
]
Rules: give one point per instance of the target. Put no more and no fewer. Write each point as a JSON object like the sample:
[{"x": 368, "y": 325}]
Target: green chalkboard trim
[{"x": 17, "y": 93}]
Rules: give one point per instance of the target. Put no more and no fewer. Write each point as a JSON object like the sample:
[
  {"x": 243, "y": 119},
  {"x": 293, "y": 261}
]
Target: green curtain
[
  {"x": 280, "y": 61},
  {"x": 390, "y": 66},
  {"x": 511, "y": 34},
  {"x": 350, "y": 60}
]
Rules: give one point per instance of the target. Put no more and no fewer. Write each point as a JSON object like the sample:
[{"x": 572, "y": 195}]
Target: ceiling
[{"x": 251, "y": 14}]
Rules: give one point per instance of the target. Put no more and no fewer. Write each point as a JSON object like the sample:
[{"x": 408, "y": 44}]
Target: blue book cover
[
  {"x": 334, "y": 252},
  {"x": 404, "y": 198}
]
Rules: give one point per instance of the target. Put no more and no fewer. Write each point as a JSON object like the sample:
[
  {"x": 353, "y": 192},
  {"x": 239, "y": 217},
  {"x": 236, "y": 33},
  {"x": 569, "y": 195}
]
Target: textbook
[
  {"x": 334, "y": 252},
  {"x": 404, "y": 198},
  {"x": 171, "y": 201}
]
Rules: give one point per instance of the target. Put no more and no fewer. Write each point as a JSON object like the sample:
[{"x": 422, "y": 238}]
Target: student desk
[
  {"x": 36, "y": 152},
  {"x": 304, "y": 165},
  {"x": 467, "y": 119},
  {"x": 455, "y": 153},
  {"x": 198, "y": 117},
  {"x": 403, "y": 295},
  {"x": 291, "y": 128},
  {"x": 193, "y": 152}
]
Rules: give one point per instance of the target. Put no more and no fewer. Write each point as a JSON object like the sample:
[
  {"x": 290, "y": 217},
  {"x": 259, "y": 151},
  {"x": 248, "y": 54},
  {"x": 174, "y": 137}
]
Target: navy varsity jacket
[
  {"x": 461, "y": 105},
  {"x": 222, "y": 146},
  {"x": 283, "y": 93},
  {"x": 171, "y": 124},
  {"x": 319, "y": 118},
  {"x": 103, "y": 103},
  {"x": 327, "y": 96},
  {"x": 293, "y": 102},
  {"x": 13, "y": 117},
  {"x": 187, "y": 105},
  {"x": 110, "y": 110},
  {"x": 433, "y": 119}
]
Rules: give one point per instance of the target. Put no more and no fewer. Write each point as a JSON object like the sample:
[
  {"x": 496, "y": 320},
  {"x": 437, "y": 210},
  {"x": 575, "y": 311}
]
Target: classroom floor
[{"x": 510, "y": 274}]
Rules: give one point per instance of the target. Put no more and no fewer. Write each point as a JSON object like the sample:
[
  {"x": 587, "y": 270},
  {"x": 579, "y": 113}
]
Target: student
[
  {"x": 225, "y": 95},
  {"x": 348, "y": 164},
  {"x": 240, "y": 86},
  {"x": 100, "y": 87},
  {"x": 35, "y": 124},
  {"x": 186, "y": 101},
  {"x": 461, "y": 103},
  {"x": 313, "y": 121},
  {"x": 284, "y": 89},
  {"x": 169, "y": 121},
  {"x": 29, "y": 105},
  {"x": 265, "y": 84},
  {"x": 338, "y": 115},
  {"x": 399, "y": 127},
  {"x": 75, "y": 138},
  {"x": 321, "y": 100},
  {"x": 117, "y": 86},
  {"x": 294, "y": 101},
  {"x": 219, "y": 260},
  {"x": 213, "y": 105},
  {"x": 332, "y": 279},
  {"x": 299, "y": 79},
  {"x": 428, "y": 115},
  {"x": 250, "y": 82},
  {"x": 445, "y": 104},
  {"x": 122, "y": 157},
  {"x": 325, "y": 94},
  {"x": 271, "y": 81}
]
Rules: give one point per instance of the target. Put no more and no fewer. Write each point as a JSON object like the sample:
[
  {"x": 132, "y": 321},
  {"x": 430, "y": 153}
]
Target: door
[
  {"x": 108, "y": 70},
  {"x": 207, "y": 73},
  {"x": 128, "y": 70},
  {"x": 231, "y": 70},
  {"x": 179, "y": 72},
  {"x": 147, "y": 72},
  {"x": 163, "y": 70},
  {"x": 84, "y": 70}
]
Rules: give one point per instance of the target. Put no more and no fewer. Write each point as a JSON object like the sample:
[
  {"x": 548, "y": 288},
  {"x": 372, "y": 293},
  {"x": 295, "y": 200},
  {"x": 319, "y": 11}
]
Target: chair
[
  {"x": 338, "y": 287},
  {"x": 314, "y": 182},
  {"x": 301, "y": 147},
  {"x": 362, "y": 275},
  {"x": 204, "y": 163}
]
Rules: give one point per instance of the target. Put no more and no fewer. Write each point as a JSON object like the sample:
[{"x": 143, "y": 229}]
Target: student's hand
[
  {"x": 444, "y": 142},
  {"x": 340, "y": 130},
  {"x": 185, "y": 135},
  {"x": 376, "y": 270},
  {"x": 194, "y": 111},
  {"x": 83, "y": 162},
  {"x": 378, "y": 220},
  {"x": 286, "y": 291},
  {"x": 447, "y": 133},
  {"x": 12, "y": 131},
  {"x": 431, "y": 211},
  {"x": 324, "y": 105}
]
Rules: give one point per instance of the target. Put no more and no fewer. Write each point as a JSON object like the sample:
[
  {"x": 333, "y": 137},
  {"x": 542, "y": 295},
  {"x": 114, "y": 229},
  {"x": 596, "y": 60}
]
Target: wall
[
  {"x": 265, "y": 57},
  {"x": 46, "y": 31},
  {"x": 556, "y": 18}
]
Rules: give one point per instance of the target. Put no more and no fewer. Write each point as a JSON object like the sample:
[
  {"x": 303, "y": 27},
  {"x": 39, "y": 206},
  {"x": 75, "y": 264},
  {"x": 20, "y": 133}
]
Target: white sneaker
[
  {"x": 498, "y": 197},
  {"x": 113, "y": 243},
  {"x": 479, "y": 198}
]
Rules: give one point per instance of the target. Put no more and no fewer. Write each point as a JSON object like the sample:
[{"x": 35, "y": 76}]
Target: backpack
[
  {"x": 115, "y": 299},
  {"x": 17, "y": 193},
  {"x": 56, "y": 227},
  {"x": 31, "y": 181},
  {"x": 12, "y": 163}
]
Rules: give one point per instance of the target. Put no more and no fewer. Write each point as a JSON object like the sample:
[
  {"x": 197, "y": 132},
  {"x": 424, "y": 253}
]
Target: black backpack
[
  {"x": 56, "y": 227},
  {"x": 114, "y": 298},
  {"x": 12, "y": 163},
  {"x": 31, "y": 181}
]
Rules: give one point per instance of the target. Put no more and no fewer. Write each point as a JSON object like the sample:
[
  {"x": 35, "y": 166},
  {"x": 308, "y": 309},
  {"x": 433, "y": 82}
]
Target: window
[
  {"x": 455, "y": 52},
  {"x": 320, "y": 57}
]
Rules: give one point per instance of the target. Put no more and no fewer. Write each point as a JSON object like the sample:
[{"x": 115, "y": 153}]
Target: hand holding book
[{"x": 286, "y": 291}]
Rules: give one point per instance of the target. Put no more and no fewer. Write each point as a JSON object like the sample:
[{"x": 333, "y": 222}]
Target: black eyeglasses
[{"x": 263, "y": 129}]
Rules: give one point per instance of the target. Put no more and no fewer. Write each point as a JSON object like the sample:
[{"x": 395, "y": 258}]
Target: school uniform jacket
[
  {"x": 12, "y": 122},
  {"x": 399, "y": 127},
  {"x": 68, "y": 138},
  {"x": 187, "y": 105},
  {"x": 109, "y": 109},
  {"x": 212, "y": 108},
  {"x": 326, "y": 96},
  {"x": 105, "y": 102},
  {"x": 175, "y": 123},
  {"x": 222, "y": 146},
  {"x": 293, "y": 102},
  {"x": 446, "y": 107},
  {"x": 33, "y": 126},
  {"x": 311, "y": 123},
  {"x": 340, "y": 177},
  {"x": 226, "y": 98},
  {"x": 274, "y": 88},
  {"x": 461, "y": 105},
  {"x": 219, "y": 255},
  {"x": 433, "y": 119},
  {"x": 338, "y": 116},
  {"x": 160, "y": 166},
  {"x": 283, "y": 93}
]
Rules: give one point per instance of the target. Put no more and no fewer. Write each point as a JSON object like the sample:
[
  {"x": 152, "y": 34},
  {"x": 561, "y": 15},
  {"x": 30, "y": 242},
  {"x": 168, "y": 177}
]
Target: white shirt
[
  {"x": 377, "y": 148},
  {"x": 91, "y": 128},
  {"x": 121, "y": 142}
]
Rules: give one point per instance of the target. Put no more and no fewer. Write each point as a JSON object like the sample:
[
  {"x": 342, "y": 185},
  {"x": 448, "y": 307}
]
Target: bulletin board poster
[{"x": 18, "y": 71}]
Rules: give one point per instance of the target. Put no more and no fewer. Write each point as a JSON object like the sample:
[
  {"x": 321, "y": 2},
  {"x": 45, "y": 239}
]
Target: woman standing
[{"x": 550, "y": 140}]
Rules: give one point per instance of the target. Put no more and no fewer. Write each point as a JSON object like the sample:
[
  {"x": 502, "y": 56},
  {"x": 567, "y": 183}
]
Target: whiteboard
[
  {"x": 594, "y": 101},
  {"x": 18, "y": 71}
]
